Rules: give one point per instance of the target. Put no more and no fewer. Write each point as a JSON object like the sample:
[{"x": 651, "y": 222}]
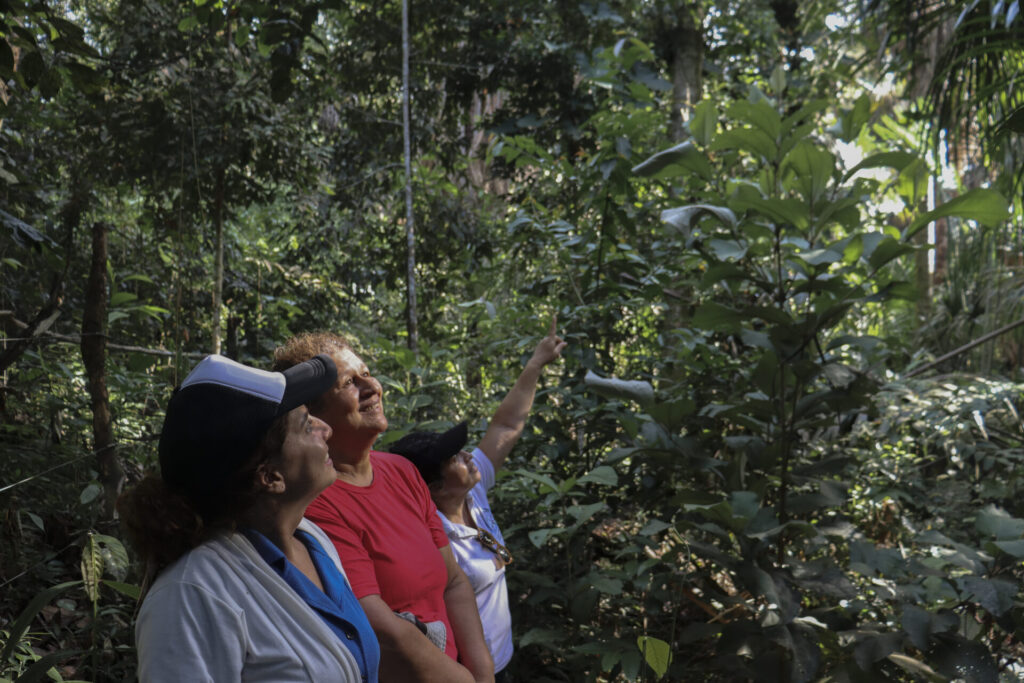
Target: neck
[
  {"x": 277, "y": 522},
  {"x": 352, "y": 460},
  {"x": 453, "y": 505}
]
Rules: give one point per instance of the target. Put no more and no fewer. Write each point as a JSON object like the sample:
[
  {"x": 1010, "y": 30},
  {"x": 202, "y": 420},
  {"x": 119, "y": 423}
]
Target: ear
[{"x": 268, "y": 479}]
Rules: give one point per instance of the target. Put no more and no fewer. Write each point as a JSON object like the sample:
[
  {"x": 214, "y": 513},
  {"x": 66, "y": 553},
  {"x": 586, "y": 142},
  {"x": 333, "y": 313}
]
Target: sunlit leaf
[
  {"x": 603, "y": 475},
  {"x": 704, "y": 122},
  {"x": 684, "y": 156},
  {"x": 657, "y": 653},
  {"x": 983, "y": 205}
]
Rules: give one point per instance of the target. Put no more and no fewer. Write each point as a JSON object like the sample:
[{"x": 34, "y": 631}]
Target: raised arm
[
  {"x": 510, "y": 417},
  {"x": 460, "y": 603}
]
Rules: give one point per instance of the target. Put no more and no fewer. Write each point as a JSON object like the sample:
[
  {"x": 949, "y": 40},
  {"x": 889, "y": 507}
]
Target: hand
[{"x": 550, "y": 347}]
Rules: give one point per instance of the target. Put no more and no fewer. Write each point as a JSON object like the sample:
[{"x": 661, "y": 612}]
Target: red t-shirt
[{"x": 388, "y": 535}]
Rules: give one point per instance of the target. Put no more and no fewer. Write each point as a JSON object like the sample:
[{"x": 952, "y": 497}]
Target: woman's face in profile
[
  {"x": 304, "y": 463},
  {"x": 459, "y": 472},
  {"x": 354, "y": 406}
]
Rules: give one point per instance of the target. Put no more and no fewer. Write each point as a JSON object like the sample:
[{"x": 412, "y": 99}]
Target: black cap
[
  {"x": 219, "y": 415},
  {"x": 429, "y": 450}
]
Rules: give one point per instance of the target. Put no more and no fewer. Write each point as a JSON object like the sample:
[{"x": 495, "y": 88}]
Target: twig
[
  {"x": 68, "y": 339},
  {"x": 965, "y": 348}
]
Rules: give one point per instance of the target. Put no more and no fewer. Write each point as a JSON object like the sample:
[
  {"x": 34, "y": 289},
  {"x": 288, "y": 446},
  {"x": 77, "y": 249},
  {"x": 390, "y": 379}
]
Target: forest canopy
[{"x": 784, "y": 240}]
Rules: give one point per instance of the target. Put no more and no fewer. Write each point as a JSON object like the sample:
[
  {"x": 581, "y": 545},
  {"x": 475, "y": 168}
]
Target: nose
[
  {"x": 321, "y": 426},
  {"x": 369, "y": 385}
]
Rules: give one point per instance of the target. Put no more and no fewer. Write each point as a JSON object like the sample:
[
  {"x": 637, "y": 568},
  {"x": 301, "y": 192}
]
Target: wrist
[{"x": 535, "y": 364}]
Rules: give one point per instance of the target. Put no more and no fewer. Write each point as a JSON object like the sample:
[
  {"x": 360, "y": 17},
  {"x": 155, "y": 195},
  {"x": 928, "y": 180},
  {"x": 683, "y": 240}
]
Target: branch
[
  {"x": 965, "y": 348},
  {"x": 68, "y": 339}
]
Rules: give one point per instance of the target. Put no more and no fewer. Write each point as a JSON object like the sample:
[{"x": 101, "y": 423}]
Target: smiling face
[
  {"x": 303, "y": 466},
  {"x": 353, "y": 407}
]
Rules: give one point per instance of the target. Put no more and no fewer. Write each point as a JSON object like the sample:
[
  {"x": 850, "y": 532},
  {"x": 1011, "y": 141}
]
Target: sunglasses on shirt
[{"x": 491, "y": 543}]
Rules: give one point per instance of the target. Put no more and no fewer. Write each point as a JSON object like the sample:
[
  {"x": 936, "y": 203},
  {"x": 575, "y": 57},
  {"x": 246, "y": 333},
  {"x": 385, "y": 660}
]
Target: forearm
[
  {"x": 514, "y": 408},
  {"x": 509, "y": 419},
  {"x": 469, "y": 635},
  {"x": 406, "y": 654}
]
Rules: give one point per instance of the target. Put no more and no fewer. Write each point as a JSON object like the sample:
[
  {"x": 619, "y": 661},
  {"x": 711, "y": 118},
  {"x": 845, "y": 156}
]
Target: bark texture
[{"x": 94, "y": 356}]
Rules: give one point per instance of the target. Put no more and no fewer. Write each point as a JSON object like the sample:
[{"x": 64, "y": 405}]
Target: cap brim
[
  {"x": 450, "y": 442},
  {"x": 306, "y": 381}
]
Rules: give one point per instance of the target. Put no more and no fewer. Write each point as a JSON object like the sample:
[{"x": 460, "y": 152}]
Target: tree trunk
[
  {"x": 94, "y": 354},
  {"x": 686, "y": 62},
  {"x": 411, "y": 320},
  {"x": 218, "y": 268},
  {"x": 5, "y": 92}
]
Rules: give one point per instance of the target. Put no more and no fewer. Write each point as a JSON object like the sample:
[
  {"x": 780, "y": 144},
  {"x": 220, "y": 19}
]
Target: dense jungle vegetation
[{"x": 784, "y": 238}]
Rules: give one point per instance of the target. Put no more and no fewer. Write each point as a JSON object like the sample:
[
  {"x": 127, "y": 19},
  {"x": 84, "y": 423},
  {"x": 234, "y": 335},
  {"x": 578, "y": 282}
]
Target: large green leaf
[
  {"x": 704, "y": 122},
  {"x": 759, "y": 114},
  {"x": 603, "y": 475},
  {"x": 964, "y": 660},
  {"x": 657, "y": 653},
  {"x": 984, "y": 205},
  {"x": 875, "y": 647},
  {"x": 782, "y": 211},
  {"x": 886, "y": 250},
  {"x": 994, "y": 521},
  {"x": 812, "y": 167},
  {"x": 712, "y": 316},
  {"x": 995, "y": 595},
  {"x": 751, "y": 140},
  {"x": 727, "y": 250},
  {"x": 896, "y": 160},
  {"x": 683, "y": 155},
  {"x": 43, "y": 668},
  {"x": 16, "y": 631},
  {"x": 682, "y": 217}
]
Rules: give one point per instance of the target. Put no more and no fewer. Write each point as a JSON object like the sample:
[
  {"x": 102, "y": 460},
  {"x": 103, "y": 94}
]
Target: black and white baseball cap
[
  {"x": 429, "y": 450},
  {"x": 220, "y": 413}
]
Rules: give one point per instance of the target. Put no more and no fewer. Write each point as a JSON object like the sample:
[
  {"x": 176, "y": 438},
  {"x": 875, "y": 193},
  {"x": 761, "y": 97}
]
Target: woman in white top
[
  {"x": 459, "y": 480},
  {"x": 239, "y": 586}
]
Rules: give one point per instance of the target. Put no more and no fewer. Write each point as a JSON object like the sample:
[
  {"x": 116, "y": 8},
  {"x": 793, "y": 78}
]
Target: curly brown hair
[{"x": 304, "y": 346}]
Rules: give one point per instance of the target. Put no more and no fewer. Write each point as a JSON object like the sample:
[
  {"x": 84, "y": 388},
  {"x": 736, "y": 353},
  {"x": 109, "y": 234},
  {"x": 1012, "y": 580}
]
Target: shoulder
[
  {"x": 390, "y": 461},
  {"x": 395, "y": 467},
  {"x": 200, "y": 576}
]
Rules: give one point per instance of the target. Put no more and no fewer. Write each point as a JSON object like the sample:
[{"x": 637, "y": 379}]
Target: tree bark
[
  {"x": 5, "y": 93},
  {"x": 686, "y": 62},
  {"x": 218, "y": 268},
  {"x": 411, "y": 320},
  {"x": 94, "y": 354}
]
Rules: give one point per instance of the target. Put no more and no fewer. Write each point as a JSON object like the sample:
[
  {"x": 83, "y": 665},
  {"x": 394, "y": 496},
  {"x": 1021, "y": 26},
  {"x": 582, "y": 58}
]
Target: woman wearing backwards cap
[
  {"x": 238, "y": 585},
  {"x": 458, "y": 483}
]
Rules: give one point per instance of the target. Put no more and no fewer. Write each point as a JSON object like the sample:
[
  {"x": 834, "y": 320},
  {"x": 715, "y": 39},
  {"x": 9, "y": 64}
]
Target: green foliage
[
  {"x": 726, "y": 479},
  {"x": 734, "y": 492}
]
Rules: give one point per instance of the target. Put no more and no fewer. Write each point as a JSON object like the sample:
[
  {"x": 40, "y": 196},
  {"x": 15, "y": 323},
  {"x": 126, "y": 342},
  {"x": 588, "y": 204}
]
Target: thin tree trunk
[
  {"x": 218, "y": 268},
  {"x": 686, "y": 64},
  {"x": 412, "y": 323},
  {"x": 5, "y": 93},
  {"x": 94, "y": 354}
]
